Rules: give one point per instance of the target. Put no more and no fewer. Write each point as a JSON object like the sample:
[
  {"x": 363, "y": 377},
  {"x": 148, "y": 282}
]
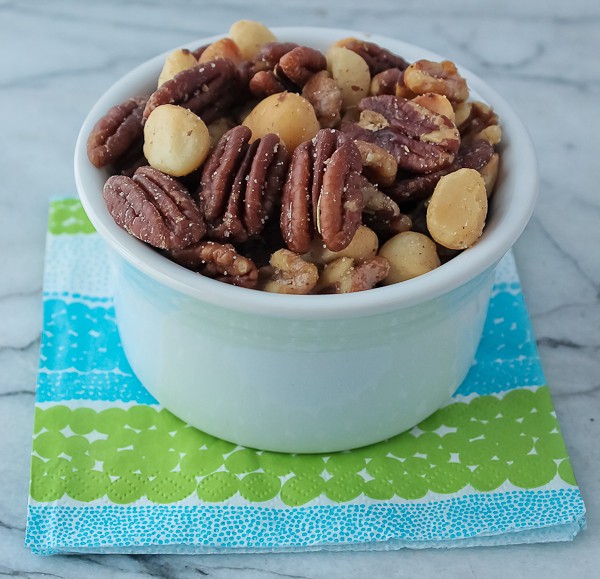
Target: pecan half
[
  {"x": 300, "y": 64},
  {"x": 473, "y": 155},
  {"x": 289, "y": 274},
  {"x": 154, "y": 208},
  {"x": 322, "y": 193},
  {"x": 419, "y": 139},
  {"x": 116, "y": 132},
  {"x": 325, "y": 96},
  {"x": 242, "y": 183},
  {"x": 218, "y": 261},
  {"x": 377, "y": 58},
  {"x": 208, "y": 90},
  {"x": 284, "y": 66},
  {"x": 442, "y": 78}
]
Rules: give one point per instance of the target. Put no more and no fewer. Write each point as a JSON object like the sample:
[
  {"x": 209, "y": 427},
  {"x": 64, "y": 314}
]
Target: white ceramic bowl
[{"x": 306, "y": 373}]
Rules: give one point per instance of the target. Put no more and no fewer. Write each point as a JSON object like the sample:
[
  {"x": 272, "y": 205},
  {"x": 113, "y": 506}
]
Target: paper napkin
[{"x": 112, "y": 471}]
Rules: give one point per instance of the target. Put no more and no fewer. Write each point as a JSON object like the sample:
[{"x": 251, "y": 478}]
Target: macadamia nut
[
  {"x": 351, "y": 73},
  {"x": 409, "y": 254},
  {"x": 224, "y": 48},
  {"x": 176, "y": 141},
  {"x": 250, "y": 36},
  {"x": 176, "y": 62},
  {"x": 286, "y": 114},
  {"x": 457, "y": 209},
  {"x": 363, "y": 246}
]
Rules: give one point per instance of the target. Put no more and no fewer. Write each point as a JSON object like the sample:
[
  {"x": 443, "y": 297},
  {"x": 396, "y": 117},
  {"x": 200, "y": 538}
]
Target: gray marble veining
[{"x": 56, "y": 59}]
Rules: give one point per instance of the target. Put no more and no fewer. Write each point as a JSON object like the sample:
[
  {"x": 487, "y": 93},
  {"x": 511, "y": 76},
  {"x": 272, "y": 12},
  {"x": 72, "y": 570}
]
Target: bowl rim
[{"x": 520, "y": 191}]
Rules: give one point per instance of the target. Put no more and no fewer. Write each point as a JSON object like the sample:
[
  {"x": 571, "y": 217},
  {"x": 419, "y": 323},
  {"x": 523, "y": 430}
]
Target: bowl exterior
[{"x": 289, "y": 385}]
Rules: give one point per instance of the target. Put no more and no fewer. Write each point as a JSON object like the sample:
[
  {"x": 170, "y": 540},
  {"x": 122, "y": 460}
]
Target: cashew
[
  {"x": 410, "y": 254},
  {"x": 457, "y": 209},
  {"x": 176, "y": 141}
]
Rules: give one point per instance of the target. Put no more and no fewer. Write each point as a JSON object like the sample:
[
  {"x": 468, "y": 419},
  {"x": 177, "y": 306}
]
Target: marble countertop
[{"x": 58, "y": 57}]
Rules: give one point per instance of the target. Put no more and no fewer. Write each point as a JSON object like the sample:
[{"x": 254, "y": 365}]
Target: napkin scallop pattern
[{"x": 112, "y": 471}]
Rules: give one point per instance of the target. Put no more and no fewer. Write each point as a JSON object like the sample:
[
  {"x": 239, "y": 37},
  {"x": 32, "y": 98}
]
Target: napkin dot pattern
[{"x": 145, "y": 451}]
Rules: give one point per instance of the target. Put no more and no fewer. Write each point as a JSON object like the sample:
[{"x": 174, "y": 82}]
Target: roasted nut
[
  {"x": 443, "y": 78},
  {"x": 377, "y": 58},
  {"x": 322, "y": 193},
  {"x": 207, "y": 90},
  {"x": 176, "y": 141},
  {"x": 489, "y": 173},
  {"x": 474, "y": 119},
  {"x": 264, "y": 83},
  {"x": 325, "y": 96},
  {"x": 390, "y": 81},
  {"x": 154, "y": 208},
  {"x": 250, "y": 36},
  {"x": 299, "y": 64},
  {"x": 344, "y": 275},
  {"x": 381, "y": 213},
  {"x": 409, "y": 254},
  {"x": 378, "y": 165},
  {"x": 223, "y": 48},
  {"x": 462, "y": 112},
  {"x": 351, "y": 73},
  {"x": 470, "y": 156},
  {"x": 290, "y": 274},
  {"x": 437, "y": 103},
  {"x": 115, "y": 133},
  {"x": 419, "y": 139},
  {"x": 176, "y": 61},
  {"x": 270, "y": 54},
  {"x": 218, "y": 261},
  {"x": 241, "y": 184},
  {"x": 363, "y": 246},
  {"x": 286, "y": 114},
  {"x": 457, "y": 209}
]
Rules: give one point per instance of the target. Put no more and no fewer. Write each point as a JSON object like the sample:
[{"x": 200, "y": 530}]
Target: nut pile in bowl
[{"x": 273, "y": 166}]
